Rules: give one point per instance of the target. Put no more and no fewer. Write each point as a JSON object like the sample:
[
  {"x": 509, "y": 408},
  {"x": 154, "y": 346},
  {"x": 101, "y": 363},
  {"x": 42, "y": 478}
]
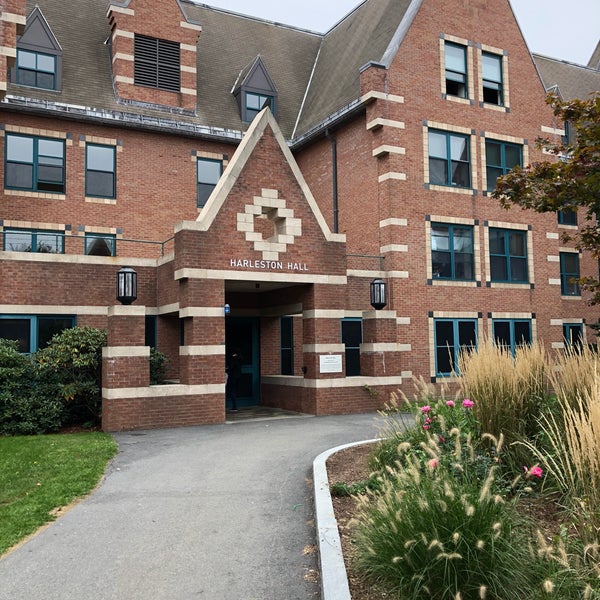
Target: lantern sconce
[
  {"x": 126, "y": 285},
  {"x": 227, "y": 310},
  {"x": 378, "y": 294}
]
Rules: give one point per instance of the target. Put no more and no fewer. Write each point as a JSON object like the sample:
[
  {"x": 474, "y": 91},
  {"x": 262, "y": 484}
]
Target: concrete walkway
[{"x": 218, "y": 512}]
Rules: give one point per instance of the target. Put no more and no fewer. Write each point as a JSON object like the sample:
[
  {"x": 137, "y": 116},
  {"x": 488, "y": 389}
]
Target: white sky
[{"x": 565, "y": 30}]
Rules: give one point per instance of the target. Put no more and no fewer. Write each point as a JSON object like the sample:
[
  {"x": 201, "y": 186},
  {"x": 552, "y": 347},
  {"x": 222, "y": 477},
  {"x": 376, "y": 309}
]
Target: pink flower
[
  {"x": 433, "y": 463},
  {"x": 535, "y": 471},
  {"x": 468, "y": 403},
  {"x": 450, "y": 403},
  {"x": 426, "y": 426},
  {"x": 425, "y": 409},
  {"x": 442, "y": 439}
]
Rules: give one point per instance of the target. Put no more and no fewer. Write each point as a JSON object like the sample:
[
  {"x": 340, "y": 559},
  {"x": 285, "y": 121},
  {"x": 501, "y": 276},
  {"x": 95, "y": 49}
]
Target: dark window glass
[
  {"x": 150, "y": 331},
  {"x": 255, "y": 103},
  {"x": 508, "y": 255},
  {"x": 19, "y": 330},
  {"x": 208, "y": 173},
  {"x": 100, "y": 245},
  {"x": 451, "y": 337},
  {"x": 456, "y": 69},
  {"x": 500, "y": 158},
  {"x": 573, "y": 335},
  {"x": 511, "y": 333},
  {"x": 567, "y": 217},
  {"x": 287, "y": 346},
  {"x": 452, "y": 252},
  {"x": 569, "y": 274},
  {"x": 22, "y": 240},
  {"x": 100, "y": 171},
  {"x": 157, "y": 63},
  {"x": 493, "y": 92},
  {"x": 33, "y": 332},
  {"x": 449, "y": 162},
  {"x": 36, "y": 70},
  {"x": 48, "y": 327},
  {"x": 352, "y": 339}
]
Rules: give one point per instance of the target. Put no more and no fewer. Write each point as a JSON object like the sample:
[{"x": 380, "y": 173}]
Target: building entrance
[{"x": 242, "y": 335}]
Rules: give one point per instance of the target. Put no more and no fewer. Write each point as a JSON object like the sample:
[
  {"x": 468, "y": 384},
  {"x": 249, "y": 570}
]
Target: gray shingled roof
[
  {"x": 573, "y": 81},
  {"x": 594, "y": 61}
]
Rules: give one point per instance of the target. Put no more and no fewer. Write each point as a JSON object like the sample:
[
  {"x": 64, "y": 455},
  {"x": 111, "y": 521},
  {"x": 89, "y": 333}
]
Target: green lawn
[{"x": 45, "y": 472}]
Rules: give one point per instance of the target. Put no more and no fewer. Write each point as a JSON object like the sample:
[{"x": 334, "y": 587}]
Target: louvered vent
[{"x": 157, "y": 63}]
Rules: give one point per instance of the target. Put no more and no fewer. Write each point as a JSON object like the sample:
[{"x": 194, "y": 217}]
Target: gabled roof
[
  {"x": 594, "y": 62},
  {"x": 573, "y": 81}
]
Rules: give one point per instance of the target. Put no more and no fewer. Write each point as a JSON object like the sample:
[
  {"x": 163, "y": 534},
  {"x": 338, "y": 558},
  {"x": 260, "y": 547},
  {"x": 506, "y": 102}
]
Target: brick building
[{"x": 258, "y": 178}]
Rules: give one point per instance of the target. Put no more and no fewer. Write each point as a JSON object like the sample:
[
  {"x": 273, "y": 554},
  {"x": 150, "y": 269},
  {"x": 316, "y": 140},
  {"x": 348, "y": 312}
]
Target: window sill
[
  {"x": 510, "y": 286},
  {"x": 30, "y": 194},
  {"x": 452, "y": 189},
  {"x": 453, "y": 283},
  {"x": 97, "y": 200}
]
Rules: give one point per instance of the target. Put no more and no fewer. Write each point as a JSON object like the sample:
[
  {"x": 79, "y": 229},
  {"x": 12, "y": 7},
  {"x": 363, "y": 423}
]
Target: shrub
[
  {"x": 158, "y": 366},
  {"x": 75, "y": 358},
  {"x": 28, "y": 401}
]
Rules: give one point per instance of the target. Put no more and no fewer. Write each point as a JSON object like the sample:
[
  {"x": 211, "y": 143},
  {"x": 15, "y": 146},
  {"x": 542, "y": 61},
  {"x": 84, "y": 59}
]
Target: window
[
  {"x": 29, "y": 240},
  {"x": 451, "y": 337},
  {"x": 208, "y": 173},
  {"x": 493, "y": 92},
  {"x": 573, "y": 335},
  {"x": 567, "y": 217},
  {"x": 33, "y": 332},
  {"x": 255, "y": 103},
  {"x": 156, "y": 63},
  {"x": 100, "y": 168},
  {"x": 500, "y": 158},
  {"x": 569, "y": 274},
  {"x": 455, "y": 57},
  {"x": 511, "y": 333},
  {"x": 352, "y": 339},
  {"x": 287, "y": 345},
  {"x": 150, "y": 331},
  {"x": 449, "y": 159},
  {"x": 36, "y": 69},
  {"x": 452, "y": 252},
  {"x": 100, "y": 244},
  {"x": 34, "y": 164},
  {"x": 508, "y": 256}
]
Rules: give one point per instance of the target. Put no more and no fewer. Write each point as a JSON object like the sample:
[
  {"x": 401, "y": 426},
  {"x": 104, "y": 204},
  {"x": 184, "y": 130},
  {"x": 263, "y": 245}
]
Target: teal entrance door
[{"x": 241, "y": 334}]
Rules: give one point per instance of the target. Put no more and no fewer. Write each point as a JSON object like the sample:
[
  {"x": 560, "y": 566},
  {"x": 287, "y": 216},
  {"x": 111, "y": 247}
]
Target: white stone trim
[
  {"x": 42, "y": 309},
  {"x": 260, "y": 276},
  {"x": 216, "y": 350},
  {"x": 120, "y": 9},
  {"x": 193, "y": 26},
  {"x": 381, "y": 122},
  {"x": 373, "y": 95},
  {"x": 13, "y": 18},
  {"x": 392, "y": 175},
  {"x": 120, "y": 310},
  {"x": 324, "y": 348},
  {"x": 163, "y": 391},
  {"x": 394, "y": 248},
  {"x": 8, "y": 51},
  {"x": 380, "y": 347},
  {"x": 123, "y": 79},
  {"x": 123, "y": 56},
  {"x": 388, "y": 149},
  {"x": 126, "y": 352},
  {"x": 553, "y": 130},
  {"x": 339, "y": 382},
  {"x": 393, "y": 223},
  {"x": 201, "y": 311}
]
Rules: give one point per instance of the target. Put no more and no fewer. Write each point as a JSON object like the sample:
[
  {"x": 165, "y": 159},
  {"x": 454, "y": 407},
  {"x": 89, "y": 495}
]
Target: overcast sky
[{"x": 566, "y": 30}]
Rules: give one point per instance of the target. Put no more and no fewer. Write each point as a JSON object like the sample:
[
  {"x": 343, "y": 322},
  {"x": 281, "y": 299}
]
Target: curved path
[{"x": 219, "y": 512}]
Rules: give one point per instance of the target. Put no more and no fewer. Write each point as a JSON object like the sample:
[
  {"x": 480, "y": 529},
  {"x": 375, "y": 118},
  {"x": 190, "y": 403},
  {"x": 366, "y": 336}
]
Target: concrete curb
[{"x": 334, "y": 582}]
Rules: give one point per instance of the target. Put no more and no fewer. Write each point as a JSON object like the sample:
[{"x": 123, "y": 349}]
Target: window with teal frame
[
  {"x": 100, "y": 171},
  {"x": 452, "y": 252},
  {"x": 508, "y": 256},
  {"x": 32, "y": 240},
  {"x": 500, "y": 158},
  {"x": 33, "y": 332},
  {"x": 208, "y": 174},
  {"x": 573, "y": 335},
  {"x": 352, "y": 339},
  {"x": 511, "y": 333},
  {"x": 34, "y": 164},
  {"x": 36, "y": 69},
  {"x": 567, "y": 217},
  {"x": 449, "y": 160},
  {"x": 569, "y": 274},
  {"x": 287, "y": 345},
  {"x": 100, "y": 244},
  {"x": 451, "y": 337}
]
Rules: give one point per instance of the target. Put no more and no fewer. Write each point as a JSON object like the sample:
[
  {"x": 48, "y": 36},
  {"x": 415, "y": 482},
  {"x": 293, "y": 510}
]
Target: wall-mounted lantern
[
  {"x": 227, "y": 310},
  {"x": 126, "y": 285},
  {"x": 378, "y": 294}
]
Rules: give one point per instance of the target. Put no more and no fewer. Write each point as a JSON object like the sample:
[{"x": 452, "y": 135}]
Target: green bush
[
  {"x": 158, "y": 366},
  {"x": 28, "y": 400},
  {"x": 74, "y": 357}
]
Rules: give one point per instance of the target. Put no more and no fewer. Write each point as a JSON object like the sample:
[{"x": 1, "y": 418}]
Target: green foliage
[
  {"x": 567, "y": 184},
  {"x": 158, "y": 366},
  {"x": 28, "y": 401},
  {"x": 360, "y": 487},
  {"x": 42, "y": 473},
  {"x": 75, "y": 358}
]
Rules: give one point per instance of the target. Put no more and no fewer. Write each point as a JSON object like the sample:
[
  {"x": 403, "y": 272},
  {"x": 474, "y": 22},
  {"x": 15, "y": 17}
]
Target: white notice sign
[{"x": 330, "y": 363}]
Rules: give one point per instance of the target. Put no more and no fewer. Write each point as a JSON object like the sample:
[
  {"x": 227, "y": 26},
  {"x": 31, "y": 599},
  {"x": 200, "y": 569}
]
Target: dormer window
[
  {"x": 254, "y": 89},
  {"x": 39, "y": 55},
  {"x": 157, "y": 63}
]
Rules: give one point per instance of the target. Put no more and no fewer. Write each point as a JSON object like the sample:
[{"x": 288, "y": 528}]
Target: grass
[{"x": 39, "y": 474}]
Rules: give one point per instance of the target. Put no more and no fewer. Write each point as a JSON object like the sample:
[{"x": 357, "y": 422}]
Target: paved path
[{"x": 218, "y": 512}]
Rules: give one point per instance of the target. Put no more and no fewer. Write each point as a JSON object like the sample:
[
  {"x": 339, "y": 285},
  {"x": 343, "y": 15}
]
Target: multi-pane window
[
  {"x": 352, "y": 339},
  {"x": 500, "y": 158},
  {"x": 451, "y": 337},
  {"x": 569, "y": 274},
  {"x": 256, "y": 102},
  {"x": 34, "y": 164},
  {"x": 452, "y": 252},
  {"x": 208, "y": 173},
  {"x": 157, "y": 63},
  {"x": 30, "y": 240},
  {"x": 100, "y": 244},
  {"x": 508, "y": 255},
  {"x": 33, "y": 332},
  {"x": 287, "y": 345},
  {"x": 493, "y": 88},
  {"x": 36, "y": 69},
  {"x": 567, "y": 217},
  {"x": 455, "y": 57},
  {"x": 449, "y": 162},
  {"x": 511, "y": 333},
  {"x": 573, "y": 335},
  {"x": 100, "y": 169}
]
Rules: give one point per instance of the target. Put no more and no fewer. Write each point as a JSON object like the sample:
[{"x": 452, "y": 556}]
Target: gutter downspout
[{"x": 334, "y": 176}]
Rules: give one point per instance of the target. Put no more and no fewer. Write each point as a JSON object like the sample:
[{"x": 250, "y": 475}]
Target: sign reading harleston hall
[{"x": 270, "y": 265}]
